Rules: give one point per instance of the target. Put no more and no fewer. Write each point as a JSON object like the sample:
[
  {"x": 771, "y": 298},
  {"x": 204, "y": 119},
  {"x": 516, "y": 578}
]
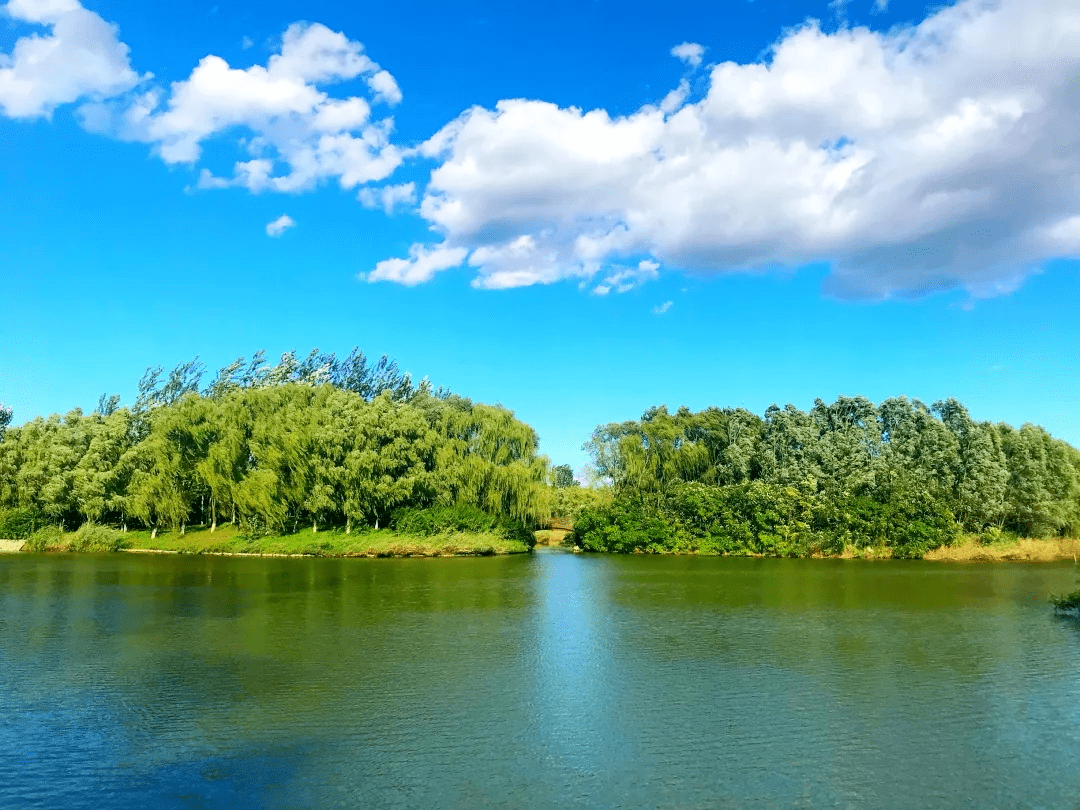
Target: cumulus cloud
[
  {"x": 662, "y": 308},
  {"x": 78, "y": 57},
  {"x": 689, "y": 52},
  {"x": 388, "y": 198},
  {"x": 934, "y": 156},
  {"x": 422, "y": 265},
  {"x": 279, "y": 226},
  {"x": 295, "y": 133}
]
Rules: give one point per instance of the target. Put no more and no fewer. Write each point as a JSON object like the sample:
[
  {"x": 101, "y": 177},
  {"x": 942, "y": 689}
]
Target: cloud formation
[
  {"x": 79, "y": 57},
  {"x": 279, "y": 225},
  {"x": 936, "y": 156},
  {"x": 689, "y": 52},
  {"x": 388, "y": 198},
  {"x": 662, "y": 308},
  {"x": 295, "y": 133},
  {"x": 941, "y": 155},
  {"x": 422, "y": 265}
]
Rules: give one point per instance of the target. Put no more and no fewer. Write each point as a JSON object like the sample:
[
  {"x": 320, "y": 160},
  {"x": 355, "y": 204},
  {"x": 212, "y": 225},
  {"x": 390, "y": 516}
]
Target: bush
[
  {"x": 94, "y": 537},
  {"x": 624, "y": 526},
  {"x": 995, "y": 535},
  {"x": 44, "y": 538},
  {"x": 461, "y": 519},
  {"x": 19, "y": 524},
  {"x": 569, "y": 502},
  {"x": 768, "y": 519},
  {"x": 1069, "y": 603}
]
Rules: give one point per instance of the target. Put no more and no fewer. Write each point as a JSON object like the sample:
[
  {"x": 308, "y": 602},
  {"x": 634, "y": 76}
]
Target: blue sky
[{"x": 882, "y": 202}]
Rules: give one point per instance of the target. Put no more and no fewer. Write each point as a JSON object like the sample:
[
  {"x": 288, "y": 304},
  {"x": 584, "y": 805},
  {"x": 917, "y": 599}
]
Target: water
[{"x": 549, "y": 680}]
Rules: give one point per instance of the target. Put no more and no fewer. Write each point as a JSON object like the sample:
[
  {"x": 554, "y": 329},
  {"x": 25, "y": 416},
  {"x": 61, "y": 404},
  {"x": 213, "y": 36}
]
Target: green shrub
[
  {"x": 995, "y": 535},
  {"x": 44, "y": 538},
  {"x": 94, "y": 537},
  {"x": 626, "y": 526},
  {"x": 1069, "y": 603},
  {"x": 768, "y": 519},
  {"x": 459, "y": 519},
  {"x": 19, "y": 524}
]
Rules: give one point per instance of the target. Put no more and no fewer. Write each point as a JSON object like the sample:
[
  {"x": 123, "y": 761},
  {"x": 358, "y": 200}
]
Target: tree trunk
[
  {"x": 348, "y": 524},
  {"x": 314, "y": 526},
  {"x": 183, "y": 528},
  {"x": 153, "y": 533}
]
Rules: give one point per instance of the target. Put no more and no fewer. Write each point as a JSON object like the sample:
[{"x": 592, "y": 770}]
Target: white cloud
[
  {"x": 41, "y": 11},
  {"x": 924, "y": 158},
  {"x": 422, "y": 265},
  {"x": 662, "y": 309},
  {"x": 880, "y": 6},
  {"x": 624, "y": 279},
  {"x": 388, "y": 198},
  {"x": 689, "y": 52},
  {"x": 296, "y": 134},
  {"x": 79, "y": 57},
  {"x": 279, "y": 225}
]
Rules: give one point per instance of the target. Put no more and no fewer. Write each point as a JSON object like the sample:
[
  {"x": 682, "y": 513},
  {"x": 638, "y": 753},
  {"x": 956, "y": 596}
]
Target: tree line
[
  {"x": 311, "y": 442},
  {"x": 900, "y": 474}
]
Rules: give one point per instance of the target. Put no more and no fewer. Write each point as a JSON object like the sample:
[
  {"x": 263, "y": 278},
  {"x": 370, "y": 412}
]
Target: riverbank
[
  {"x": 967, "y": 549},
  {"x": 1023, "y": 549},
  {"x": 227, "y": 540}
]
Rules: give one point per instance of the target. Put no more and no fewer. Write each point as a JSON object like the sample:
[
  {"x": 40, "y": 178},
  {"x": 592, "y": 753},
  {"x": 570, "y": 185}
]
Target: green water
[{"x": 544, "y": 680}]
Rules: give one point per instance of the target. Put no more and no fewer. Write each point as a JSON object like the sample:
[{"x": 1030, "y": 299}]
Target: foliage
[
  {"x": 569, "y": 502},
  {"x": 44, "y": 538},
  {"x": 849, "y": 474},
  {"x": 1068, "y": 603},
  {"x": 316, "y": 442},
  {"x": 94, "y": 537},
  {"x": 463, "y": 518},
  {"x": 563, "y": 476},
  {"x": 19, "y": 524}
]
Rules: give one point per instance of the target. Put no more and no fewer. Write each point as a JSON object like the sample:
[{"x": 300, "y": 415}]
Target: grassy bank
[
  {"x": 1023, "y": 549},
  {"x": 552, "y": 537},
  {"x": 330, "y": 543},
  {"x": 968, "y": 549}
]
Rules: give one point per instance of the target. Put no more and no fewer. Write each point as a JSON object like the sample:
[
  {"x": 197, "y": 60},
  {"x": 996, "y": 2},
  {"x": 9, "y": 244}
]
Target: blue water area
[{"x": 542, "y": 680}]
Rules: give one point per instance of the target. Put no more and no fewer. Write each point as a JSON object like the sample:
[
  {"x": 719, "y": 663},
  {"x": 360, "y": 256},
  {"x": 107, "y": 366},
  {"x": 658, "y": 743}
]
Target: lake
[{"x": 542, "y": 680}]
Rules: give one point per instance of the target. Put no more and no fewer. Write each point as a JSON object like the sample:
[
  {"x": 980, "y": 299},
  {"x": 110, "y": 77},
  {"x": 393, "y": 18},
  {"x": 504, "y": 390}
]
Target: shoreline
[
  {"x": 349, "y": 555},
  {"x": 386, "y": 545},
  {"x": 226, "y": 541},
  {"x": 967, "y": 549}
]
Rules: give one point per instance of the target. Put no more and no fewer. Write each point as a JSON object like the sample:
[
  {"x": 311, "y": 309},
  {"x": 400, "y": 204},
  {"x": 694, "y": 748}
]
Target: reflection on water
[{"x": 536, "y": 681}]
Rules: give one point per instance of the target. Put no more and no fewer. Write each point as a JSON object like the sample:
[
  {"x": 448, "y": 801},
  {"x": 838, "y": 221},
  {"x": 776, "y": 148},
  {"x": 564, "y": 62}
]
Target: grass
[
  {"x": 388, "y": 543},
  {"x": 552, "y": 537},
  {"x": 1023, "y": 549},
  {"x": 329, "y": 543}
]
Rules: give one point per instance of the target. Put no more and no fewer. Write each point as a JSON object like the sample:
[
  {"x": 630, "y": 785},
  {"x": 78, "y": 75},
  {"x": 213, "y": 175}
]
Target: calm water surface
[{"x": 548, "y": 680}]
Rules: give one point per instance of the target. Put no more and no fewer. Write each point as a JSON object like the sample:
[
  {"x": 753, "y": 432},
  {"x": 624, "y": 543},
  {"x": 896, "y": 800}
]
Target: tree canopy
[
  {"x": 900, "y": 473},
  {"x": 310, "y": 442}
]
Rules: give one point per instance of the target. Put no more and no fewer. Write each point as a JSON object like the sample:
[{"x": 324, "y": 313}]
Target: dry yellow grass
[
  {"x": 1025, "y": 549},
  {"x": 550, "y": 537}
]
